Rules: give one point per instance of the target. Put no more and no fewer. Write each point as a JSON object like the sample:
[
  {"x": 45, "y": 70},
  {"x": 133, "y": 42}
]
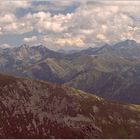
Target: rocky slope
[
  {"x": 37, "y": 109},
  {"x": 14, "y": 60}
]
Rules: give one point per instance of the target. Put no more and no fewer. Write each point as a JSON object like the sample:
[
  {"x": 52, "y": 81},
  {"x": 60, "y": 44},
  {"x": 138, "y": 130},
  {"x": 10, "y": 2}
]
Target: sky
[{"x": 68, "y": 23}]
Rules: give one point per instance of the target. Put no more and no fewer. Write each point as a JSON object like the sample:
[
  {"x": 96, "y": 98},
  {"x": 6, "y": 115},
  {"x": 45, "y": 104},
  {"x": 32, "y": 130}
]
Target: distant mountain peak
[
  {"x": 130, "y": 40},
  {"x": 24, "y": 46},
  {"x": 127, "y": 43},
  {"x": 39, "y": 46}
]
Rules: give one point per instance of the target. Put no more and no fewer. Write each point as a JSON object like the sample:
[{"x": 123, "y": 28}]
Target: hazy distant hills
[
  {"x": 37, "y": 109},
  {"x": 109, "y": 71}
]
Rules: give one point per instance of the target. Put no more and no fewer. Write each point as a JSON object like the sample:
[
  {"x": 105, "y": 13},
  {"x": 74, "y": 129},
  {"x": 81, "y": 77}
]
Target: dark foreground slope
[{"x": 35, "y": 109}]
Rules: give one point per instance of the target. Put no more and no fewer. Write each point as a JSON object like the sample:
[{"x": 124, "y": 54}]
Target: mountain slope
[
  {"x": 107, "y": 76},
  {"x": 109, "y": 71},
  {"x": 14, "y": 60},
  {"x": 36, "y": 109}
]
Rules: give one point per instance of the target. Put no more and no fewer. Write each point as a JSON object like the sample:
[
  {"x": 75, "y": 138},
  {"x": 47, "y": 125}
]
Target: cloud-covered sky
[{"x": 68, "y": 23}]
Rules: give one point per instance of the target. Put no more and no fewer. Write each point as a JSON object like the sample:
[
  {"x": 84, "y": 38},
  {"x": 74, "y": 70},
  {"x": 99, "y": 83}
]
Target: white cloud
[
  {"x": 94, "y": 23},
  {"x": 90, "y": 24},
  {"x": 75, "y": 41},
  {"x": 31, "y": 39},
  {"x": 43, "y": 22},
  {"x": 55, "y": 42},
  {"x": 9, "y": 23},
  {"x": 1, "y": 31},
  {"x": 4, "y": 46},
  {"x": 101, "y": 37},
  {"x": 16, "y": 28},
  {"x": 7, "y": 18}
]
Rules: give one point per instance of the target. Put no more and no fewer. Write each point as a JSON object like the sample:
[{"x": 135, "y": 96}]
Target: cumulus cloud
[
  {"x": 43, "y": 22},
  {"x": 72, "y": 41},
  {"x": 30, "y": 39},
  {"x": 9, "y": 23},
  {"x": 7, "y": 18},
  {"x": 101, "y": 37},
  {"x": 90, "y": 24},
  {"x": 4, "y": 46},
  {"x": 55, "y": 42}
]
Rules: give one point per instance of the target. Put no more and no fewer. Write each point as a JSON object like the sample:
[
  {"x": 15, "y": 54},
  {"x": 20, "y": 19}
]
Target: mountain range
[
  {"x": 38, "y": 109},
  {"x": 109, "y": 71}
]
